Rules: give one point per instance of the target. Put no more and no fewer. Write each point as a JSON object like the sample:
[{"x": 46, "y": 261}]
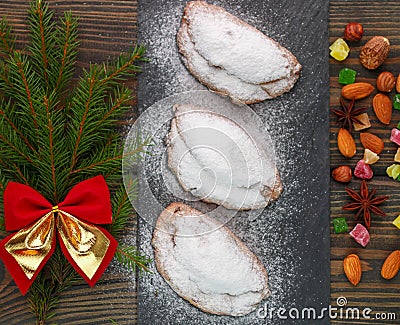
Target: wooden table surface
[
  {"x": 378, "y": 18},
  {"x": 109, "y": 27},
  {"x": 106, "y": 28}
]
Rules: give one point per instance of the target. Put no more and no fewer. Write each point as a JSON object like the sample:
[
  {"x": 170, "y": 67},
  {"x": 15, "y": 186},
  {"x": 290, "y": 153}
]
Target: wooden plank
[
  {"x": 374, "y": 292},
  {"x": 106, "y": 28}
]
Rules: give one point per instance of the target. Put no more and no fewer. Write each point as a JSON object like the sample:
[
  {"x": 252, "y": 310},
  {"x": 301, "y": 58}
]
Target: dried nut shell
[
  {"x": 374, "y": 52},
  {"x": 391, "y": 266},
  {"x": 346, "y": 143},
  {"x": 342, "y": 174},
  {"x": 385, "y": 82},
  {"x": 372, "y": 142},
  {"x": 353, "y": 32},
  {"x": 352, "y": 268},
  {"x": 357, "y": 90},
  {"x": 383, "y": 108}
]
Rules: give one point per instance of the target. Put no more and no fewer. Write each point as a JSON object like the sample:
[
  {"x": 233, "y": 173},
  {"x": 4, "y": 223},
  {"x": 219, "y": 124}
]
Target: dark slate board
[{"x": 291, "y": 237}]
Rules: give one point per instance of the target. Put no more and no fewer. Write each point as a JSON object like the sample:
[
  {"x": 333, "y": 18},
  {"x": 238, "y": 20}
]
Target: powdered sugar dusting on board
[{"x": 283, "y": 233}]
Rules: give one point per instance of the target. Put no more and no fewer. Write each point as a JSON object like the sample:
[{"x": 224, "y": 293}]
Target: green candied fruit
[
  {"x": 398, "y": 125},
  {"x": 340, "y": 225},
  {"x": 396, "y": 101},
  {"x": 393, "y": 171},
  {"x": 347, "y": 76}
]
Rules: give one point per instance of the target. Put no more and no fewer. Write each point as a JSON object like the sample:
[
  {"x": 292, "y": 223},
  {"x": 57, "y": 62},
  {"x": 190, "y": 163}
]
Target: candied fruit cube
[
  {"x": 339, "y": 42},
  {"x": 393, "y": 171},
  {"x": 339, "y": 49},
  {"x": 397, "y": 155},
  {"x": 396, "y": 101},
  {"x": 366, "y": 123},
  {"x": 395, "y": 136},
  {"x": 360, "y": 234},
  {"x": 396, "y": 222},
  {"x": 347, "y": 76},
  {"x": 340, "y": 225},
  {"x": 370, "y": 157},
  {"x": 363, "y": 170}
]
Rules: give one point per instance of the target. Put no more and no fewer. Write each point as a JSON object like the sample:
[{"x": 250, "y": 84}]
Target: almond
[
  {"x": 383, "y": 108},
  {"x": 352, "y": 268},
  {"x": 398, "y": 84},
  {"x": 391, "y": 265},
  {"x": 372, "y": 142},
  {"x": 385, "y": 82},
  {"x": 346, "y": 144},
  {"x": 342, "y": 174},
  {"x": 374, "y": 52},
  {"x": 357, "y": 90}
]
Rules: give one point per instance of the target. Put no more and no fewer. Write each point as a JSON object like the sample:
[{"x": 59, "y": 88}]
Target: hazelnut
[
  {"x": 353, "y": 32},
  {"x": 398, "y": 84},
  {"x": 385, "y": 82},
  {"x": 342, "y": 174}
]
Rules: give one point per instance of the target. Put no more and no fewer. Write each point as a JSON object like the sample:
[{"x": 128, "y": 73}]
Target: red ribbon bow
[{"x": 87, "y": 247}]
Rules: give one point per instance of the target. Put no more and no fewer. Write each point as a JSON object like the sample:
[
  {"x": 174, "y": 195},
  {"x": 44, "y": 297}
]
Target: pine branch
[
  {"x": 43, "y": 40},
  {"x": 7, "y": 42},
  {"x": 13, "y": 149},
  {"x": 46, "y": 290},
  {"x": 20, "y": 175},
  {"x": 26, "y": 85},
  {"x": 51, "y": 138},
  {"x": 3, "y": 183},
  {"x": 67, "y": 42},
  {"x": 89, "y": 93},
  {"x": 122, "y": 209},
  {"x": 51, "y": 148},
  {"x": 118, "y": 103},
  {"x": 9, "y": 108},
  {"x": 7, "y": 39},
  {"x": 54, "y": 156},
  {"x": 131, "y": 258},
  {"x": 125, "y": 67},
  {"x": 102, "y": 161}
]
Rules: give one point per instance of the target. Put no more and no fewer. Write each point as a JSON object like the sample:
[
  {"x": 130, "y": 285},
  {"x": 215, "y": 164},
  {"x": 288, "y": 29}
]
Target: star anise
[
  {"x": 348, "y": 114},
  {"x": 365, "y": 203}
]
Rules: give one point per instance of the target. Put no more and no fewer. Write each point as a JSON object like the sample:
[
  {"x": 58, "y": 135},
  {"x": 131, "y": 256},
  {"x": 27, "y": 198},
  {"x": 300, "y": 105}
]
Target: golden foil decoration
[{"x": 86, "y": 244}]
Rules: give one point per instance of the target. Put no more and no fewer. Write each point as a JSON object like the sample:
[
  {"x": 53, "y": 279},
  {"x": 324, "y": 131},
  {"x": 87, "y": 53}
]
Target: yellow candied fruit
[
  {"x": 370, "y": 157},
  {"x": 339, "y": 49},
  {"x": 397, "y": 156},
  {"x": 393, "y": 171},
  {"x": 340, "y": 42},
  {"x": 396, "y": 222}
]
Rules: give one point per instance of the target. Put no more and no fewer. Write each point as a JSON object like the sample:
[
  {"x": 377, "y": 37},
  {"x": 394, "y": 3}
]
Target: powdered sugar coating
[
  {"x": 230, "y": 56},
  {"x": 227, "y": 42},
  {"x": 214, "y": 271},
  {"x": 216, "y": 78},
  {"x": 215, "y": 159}
]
